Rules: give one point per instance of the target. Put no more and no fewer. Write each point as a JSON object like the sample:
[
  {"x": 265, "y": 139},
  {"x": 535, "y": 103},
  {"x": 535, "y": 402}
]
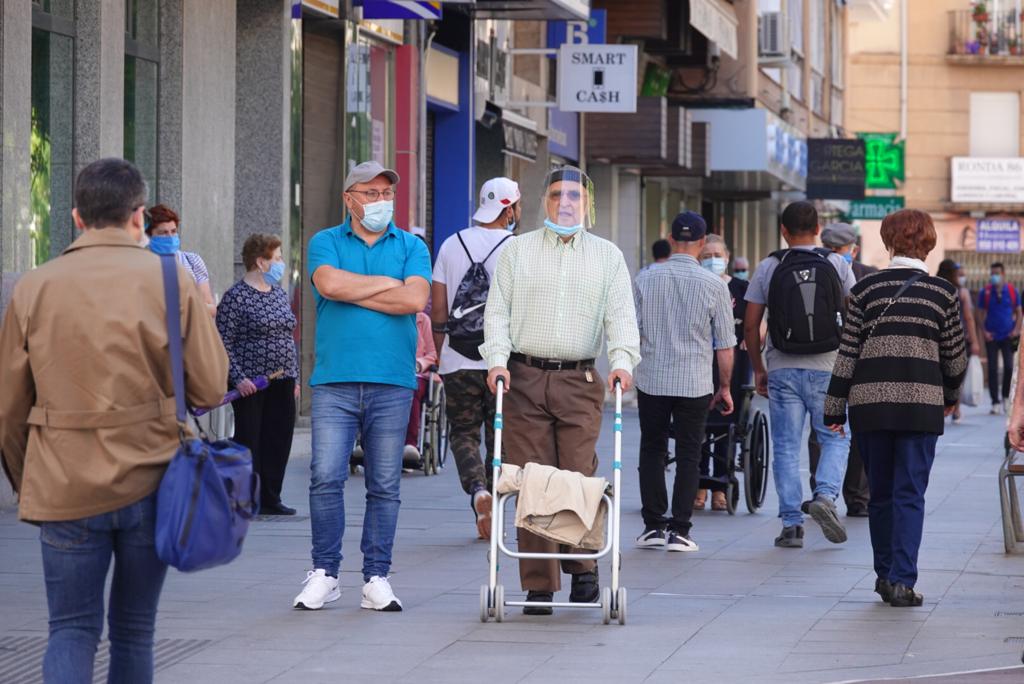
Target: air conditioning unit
[{"x": 772, "y": 39}]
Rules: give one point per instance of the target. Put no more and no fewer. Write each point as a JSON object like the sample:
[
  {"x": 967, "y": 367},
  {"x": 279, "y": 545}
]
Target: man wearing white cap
[
  {"x": 369, "y": 279},
  {"x": 462, "y": 274}
]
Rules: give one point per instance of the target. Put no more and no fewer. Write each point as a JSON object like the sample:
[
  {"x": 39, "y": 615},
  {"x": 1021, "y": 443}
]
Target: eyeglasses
[
  {"x": 374, "y": 195},
  {"x": 573, "y": 195}
]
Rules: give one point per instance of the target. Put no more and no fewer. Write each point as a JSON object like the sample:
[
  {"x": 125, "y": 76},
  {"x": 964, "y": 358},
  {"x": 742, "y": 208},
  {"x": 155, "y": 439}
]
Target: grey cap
[
  {"x": 838, "y": 235},
  {"x": 366, "y": 172}
]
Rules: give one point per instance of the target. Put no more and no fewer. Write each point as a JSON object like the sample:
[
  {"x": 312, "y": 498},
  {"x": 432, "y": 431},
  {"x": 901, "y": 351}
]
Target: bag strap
[
  {"x": 495, "y": 249},
  {"x": 172, "y": 299},
  {"x": 892, "y": 300},
  {"x": 464, "y": 248}
]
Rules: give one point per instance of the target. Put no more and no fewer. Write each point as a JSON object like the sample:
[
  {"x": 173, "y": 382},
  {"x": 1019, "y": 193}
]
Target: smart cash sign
[{"x": 597, "y": 78}]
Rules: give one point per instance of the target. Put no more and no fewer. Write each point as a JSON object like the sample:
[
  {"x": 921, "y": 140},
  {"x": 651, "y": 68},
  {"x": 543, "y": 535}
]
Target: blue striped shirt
[{"x": 684, "y": 313}]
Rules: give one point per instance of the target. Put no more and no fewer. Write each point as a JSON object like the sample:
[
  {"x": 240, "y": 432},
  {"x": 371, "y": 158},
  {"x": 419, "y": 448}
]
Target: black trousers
[
  {"x": 993, "y": 350},
  {"x": 688, "y": 416},
  {"x": 856, "y": 492},
  {"x": 265, "y": 422}
]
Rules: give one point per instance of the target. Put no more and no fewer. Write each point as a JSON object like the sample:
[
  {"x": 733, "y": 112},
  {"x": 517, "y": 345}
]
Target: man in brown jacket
[{"x": 87, "y": 422}]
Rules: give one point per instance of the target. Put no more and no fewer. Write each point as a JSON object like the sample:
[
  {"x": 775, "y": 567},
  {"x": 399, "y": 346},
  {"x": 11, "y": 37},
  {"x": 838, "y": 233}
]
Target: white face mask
[{"x": 377, "y": 215}]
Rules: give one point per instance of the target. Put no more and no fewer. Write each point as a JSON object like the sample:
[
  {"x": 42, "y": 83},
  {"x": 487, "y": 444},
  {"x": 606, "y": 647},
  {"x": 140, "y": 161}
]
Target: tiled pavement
[{"x": 740, "y": 610}]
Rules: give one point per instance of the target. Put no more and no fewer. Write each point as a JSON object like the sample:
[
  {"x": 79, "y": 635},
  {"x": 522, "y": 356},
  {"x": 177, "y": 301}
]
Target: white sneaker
[
  {"x": 319, "y": 589},
  {"x": 377, "y": 595}
]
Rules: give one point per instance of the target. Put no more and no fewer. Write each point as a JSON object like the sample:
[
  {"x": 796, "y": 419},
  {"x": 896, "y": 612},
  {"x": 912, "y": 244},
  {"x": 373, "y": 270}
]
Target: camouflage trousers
[{"x": 470, "y": 405}]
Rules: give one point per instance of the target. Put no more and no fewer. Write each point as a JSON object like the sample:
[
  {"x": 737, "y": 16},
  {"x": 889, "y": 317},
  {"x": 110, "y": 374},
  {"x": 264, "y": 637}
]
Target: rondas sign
[{"x": 597, "y": 78}]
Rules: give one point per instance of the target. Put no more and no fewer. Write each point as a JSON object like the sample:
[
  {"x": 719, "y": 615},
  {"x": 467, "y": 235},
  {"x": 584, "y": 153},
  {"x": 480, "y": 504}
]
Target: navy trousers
[{"x": 898, "y": 465}]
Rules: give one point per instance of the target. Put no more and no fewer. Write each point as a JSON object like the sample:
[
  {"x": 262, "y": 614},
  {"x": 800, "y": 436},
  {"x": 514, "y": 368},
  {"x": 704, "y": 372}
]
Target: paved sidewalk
[{"x": 740, "y": 610}]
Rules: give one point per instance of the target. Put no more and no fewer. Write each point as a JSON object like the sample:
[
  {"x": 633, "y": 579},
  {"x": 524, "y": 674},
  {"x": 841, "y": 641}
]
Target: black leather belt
[{"x": 551, "y": 364}]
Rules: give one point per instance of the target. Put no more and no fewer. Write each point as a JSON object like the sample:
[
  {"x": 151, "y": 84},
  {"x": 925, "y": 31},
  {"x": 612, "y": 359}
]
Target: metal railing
[{"x": 987, "y": 30}]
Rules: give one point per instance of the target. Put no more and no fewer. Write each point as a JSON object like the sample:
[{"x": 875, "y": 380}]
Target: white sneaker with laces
[
  {"x": 320, "y": 589},
  {"x": 377, "y": 595}
]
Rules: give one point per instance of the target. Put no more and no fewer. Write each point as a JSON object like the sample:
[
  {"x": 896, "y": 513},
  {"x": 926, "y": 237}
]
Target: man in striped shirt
[
  {"x": 557, "y": 293},
  {"x": 684, "y": 313}
]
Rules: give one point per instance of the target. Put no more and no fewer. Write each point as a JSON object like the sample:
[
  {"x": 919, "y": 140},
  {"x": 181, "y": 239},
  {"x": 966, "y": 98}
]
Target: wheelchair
[
  {"x": 434, "y": 429},
  {"x": 740, "y": 442}
]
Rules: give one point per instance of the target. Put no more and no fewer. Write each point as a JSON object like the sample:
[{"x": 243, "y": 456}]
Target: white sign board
[
  {"x": 987, "y": 180},
  {"x": 597, "y": 78}
]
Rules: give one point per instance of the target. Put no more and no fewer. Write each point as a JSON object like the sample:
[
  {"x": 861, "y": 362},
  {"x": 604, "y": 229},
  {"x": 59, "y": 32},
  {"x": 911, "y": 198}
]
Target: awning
[
  {"x": 520, "y": 135},
  {"x": 531, "y": 9},
  {"x": 716, "y": 19}
]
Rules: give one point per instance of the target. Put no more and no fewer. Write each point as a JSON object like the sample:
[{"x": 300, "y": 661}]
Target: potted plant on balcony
[
  {"x": 979, "y": 13},
  {"x": 1014, "y": 45}
]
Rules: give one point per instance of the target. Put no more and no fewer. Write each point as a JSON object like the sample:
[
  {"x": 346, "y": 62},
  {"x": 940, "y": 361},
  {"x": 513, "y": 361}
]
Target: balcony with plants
[{"x": 987, "y": 33}]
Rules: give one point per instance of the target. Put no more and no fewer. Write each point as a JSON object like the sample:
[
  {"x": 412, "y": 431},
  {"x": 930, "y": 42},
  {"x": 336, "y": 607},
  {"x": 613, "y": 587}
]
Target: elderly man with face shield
[{"x": 557, "y": 293}]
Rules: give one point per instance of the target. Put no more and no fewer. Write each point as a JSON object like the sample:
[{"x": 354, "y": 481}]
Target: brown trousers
[{"x": 552, "y": 418}]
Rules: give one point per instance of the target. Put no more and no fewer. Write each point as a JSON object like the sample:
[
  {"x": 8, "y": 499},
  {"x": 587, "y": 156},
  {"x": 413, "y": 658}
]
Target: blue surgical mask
[
  {"x": 276, "y": 272},
  {"x": 742, "y": 275},
  {"x": 377, "y": 215},
  {"x": 848, "y": 257},
  {"x": 962, "y": 280},
  {"x": 714, "y": 264},
  {"x": 564, "y": 231},
  {"x": 511, "y": 226},
  {"x": 164, "y": 244},
  {"x": 995, "y": 278}
]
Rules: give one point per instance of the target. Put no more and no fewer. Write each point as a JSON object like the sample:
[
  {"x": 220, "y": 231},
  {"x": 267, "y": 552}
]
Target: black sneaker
[
  {"x": 823, "y": 511},
  {"x": 680, "y": 542},
  {"x": 585, "y": 588},
  {"x": 542, "y": 597},
  {"x": 652, "y": 538},
  {"x": 904, "y": 597},
  {"x": 883, "y": 589},
  {"x": 791, "y": 538}
]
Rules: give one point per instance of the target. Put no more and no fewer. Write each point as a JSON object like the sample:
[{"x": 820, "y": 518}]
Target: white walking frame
[{"x": 492, "y": 595}]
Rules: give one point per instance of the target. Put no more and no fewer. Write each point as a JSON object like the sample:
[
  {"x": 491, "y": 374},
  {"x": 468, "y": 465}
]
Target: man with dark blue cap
[{"x": 684, "y": 313}]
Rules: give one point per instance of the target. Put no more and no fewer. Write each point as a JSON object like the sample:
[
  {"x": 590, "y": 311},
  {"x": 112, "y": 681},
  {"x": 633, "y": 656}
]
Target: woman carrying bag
[{"x": 900, "y": 366}]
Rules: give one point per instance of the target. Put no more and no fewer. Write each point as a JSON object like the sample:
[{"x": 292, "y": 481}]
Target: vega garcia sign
[{"x": 597, "y": 78}]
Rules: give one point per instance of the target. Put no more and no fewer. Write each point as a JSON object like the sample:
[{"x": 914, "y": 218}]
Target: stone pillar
[
  {"x": 262, "y": 124},
  {"x": 99, "y": 81},
  {"x": 15, "y": 131},
  {"x": 206, "y": 144}
]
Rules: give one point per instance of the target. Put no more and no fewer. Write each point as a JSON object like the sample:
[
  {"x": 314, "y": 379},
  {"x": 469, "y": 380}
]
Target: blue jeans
[
  {"x": 898, "y": 465},
  {"x": 76, "y": 558},
  {"x": 793, "y": 395},
  {"x": 379, "y": 416}
]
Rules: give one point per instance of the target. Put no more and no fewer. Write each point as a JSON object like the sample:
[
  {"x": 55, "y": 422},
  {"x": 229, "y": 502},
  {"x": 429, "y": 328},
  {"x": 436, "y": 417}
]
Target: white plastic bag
[{"x": 974, "y": 385}]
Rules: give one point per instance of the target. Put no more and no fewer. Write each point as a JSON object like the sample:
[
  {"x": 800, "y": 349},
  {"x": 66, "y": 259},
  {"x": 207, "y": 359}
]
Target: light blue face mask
[
  {"x": 995, "y": 278},
  {"x": 564, "y": 231},
  {"x": 742, "y": 275},
  {"x": 377, "y": 215},
  {"x": 848, "y": 257},
  {"x": 714, "y": 264},
  {"x": 164, "y": 244},
  {"x": 276, "y": 272}
]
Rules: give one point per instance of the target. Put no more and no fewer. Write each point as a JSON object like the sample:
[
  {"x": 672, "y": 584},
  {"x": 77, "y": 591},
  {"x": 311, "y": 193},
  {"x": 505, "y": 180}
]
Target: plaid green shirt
[{"x": 556, "y": 300}]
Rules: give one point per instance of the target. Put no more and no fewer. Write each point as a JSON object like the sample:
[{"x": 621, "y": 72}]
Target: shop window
[
  {"x": 369, "y": 108},
  {"x": 141, "y": 87},
  {"x": 51, "y": 140}
]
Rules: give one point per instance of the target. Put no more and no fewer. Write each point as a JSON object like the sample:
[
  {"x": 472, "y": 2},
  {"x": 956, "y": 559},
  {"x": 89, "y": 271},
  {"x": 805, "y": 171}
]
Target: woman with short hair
[
  {"x": 257, "y": 325},
  {"x": 899, "y": 369},
  {"x": 954, "y": 273},
  {"x": 162, "y": 230}
]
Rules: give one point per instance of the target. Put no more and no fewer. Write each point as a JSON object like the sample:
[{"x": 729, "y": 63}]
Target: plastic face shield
[{"x": 568, "y": 198}]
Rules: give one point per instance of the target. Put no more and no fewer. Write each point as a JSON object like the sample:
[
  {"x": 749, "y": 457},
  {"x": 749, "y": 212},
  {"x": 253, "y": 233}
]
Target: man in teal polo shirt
[{"x": 369, "y": 280}]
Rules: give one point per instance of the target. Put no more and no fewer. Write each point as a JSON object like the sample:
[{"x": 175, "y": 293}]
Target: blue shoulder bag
[{"x": 209, "y": 493}]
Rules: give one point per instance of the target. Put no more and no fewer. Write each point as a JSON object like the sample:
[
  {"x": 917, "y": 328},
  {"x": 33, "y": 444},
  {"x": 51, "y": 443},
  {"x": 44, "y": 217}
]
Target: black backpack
[
  {"x": 466, "y": 319},
  {"x": 805, "y": 303}
]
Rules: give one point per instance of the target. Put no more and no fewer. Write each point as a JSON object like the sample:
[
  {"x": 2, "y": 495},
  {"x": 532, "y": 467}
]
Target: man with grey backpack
[
  {"x": 462, "y": 277},
  {"x": 803, "y": 289}
]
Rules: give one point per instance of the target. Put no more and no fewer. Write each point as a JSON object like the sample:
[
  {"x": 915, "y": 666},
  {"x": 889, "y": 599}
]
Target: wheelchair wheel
[
  {"x": 755, "y": 462},
  {"x": 732, "y": 495},
  {"x": 441, "y": 456}
]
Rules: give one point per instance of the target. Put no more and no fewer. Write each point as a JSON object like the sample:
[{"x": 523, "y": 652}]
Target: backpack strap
[
  {"x": 495, "y": 249},
  {"x": 988, "y": 297},
  {"x": 172, "y": 299},
  {"x": 464, "y": 248},
  {"x": 1013, "y": 294}
]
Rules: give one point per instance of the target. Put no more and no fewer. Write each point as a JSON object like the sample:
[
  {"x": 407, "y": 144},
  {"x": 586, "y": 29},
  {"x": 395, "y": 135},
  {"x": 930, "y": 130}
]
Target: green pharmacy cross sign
[{"x": 883, "y": 161}]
